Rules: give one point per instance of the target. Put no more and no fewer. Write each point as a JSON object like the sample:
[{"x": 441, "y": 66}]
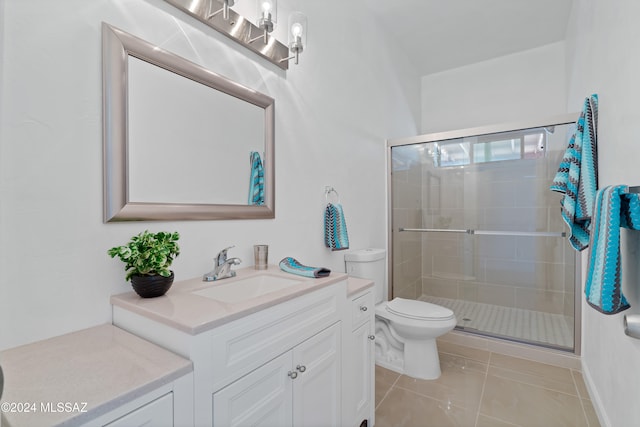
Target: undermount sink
[{"x": 245, "y": 289}]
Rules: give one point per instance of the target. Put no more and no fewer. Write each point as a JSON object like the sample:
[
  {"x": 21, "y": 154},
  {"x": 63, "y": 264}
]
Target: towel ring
[{"x": 328, "y": 191}]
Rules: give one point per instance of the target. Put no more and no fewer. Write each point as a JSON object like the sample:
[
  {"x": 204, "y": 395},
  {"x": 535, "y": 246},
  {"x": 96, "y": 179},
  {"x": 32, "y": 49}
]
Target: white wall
[
  {"x": 525, "y": 85},
  {"x": 602, "y": 41},
  {"x": 333, "y": 113}
]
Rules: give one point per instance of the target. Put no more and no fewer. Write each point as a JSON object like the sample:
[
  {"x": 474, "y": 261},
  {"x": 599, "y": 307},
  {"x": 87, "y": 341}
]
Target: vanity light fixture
[
  {"x": 297, "y": 35},
  {"x": 267, "y": 18},
  {"x": 226, "y": 4},
  {"x": 218, "y": 15}
]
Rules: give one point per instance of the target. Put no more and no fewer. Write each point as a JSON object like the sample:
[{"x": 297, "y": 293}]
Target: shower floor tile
[{"x": 512, "y": 323}]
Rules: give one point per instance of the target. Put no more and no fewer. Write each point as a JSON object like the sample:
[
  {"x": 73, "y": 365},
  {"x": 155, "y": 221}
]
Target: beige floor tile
[
  {"x": 583, "y": 392},
  {"x": 590, "y": 412},
  {"x": 528, "y": 405},
  {"x": 457, "y": 385},
  {"x": 385, "y": 378},
  {"x": 451, "y": 362},
  {"x": 529, "y": 367},
  {"x": 403, "y": 408},
  {"x": 495, "y": 390},
  {"x": 467, "y": 352},
  {"x": 538, "y": 380},
  {"x": 484, "y": 421}
]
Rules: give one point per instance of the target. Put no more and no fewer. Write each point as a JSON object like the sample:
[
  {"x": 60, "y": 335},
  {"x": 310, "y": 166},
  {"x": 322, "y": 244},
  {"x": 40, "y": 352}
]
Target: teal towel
[
  {"x": 614, "y": 208},
  {"x": 335, "y": 228},
  {"x": 577, "y": 176},
  {"x": 291, "y": 265},
  {"x": 256, "y": 180}
]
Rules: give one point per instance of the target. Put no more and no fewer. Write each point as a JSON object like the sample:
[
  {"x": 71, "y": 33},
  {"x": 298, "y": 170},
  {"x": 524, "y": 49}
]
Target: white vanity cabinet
[
  {"x": 298, "y": 388},
  {"x": 280, "y": 365},
  {"x": 158, "y": 413},
  {"x": 359, "y": 363}
]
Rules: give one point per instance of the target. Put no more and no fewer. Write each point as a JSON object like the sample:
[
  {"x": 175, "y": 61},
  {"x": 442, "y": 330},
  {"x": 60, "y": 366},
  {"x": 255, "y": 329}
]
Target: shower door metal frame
[{"x": 564, "y": 119}]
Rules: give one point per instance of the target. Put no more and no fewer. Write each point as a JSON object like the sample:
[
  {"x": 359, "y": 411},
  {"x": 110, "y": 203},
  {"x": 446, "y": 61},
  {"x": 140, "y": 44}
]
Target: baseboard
[{"x": 595, "y": 397}]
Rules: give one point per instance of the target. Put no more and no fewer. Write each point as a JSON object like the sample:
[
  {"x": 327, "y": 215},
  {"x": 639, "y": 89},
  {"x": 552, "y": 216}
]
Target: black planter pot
[{"x": 151, "y": 286}]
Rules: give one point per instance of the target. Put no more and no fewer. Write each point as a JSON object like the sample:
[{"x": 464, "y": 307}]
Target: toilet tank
[{"x": 369, "y": 264}]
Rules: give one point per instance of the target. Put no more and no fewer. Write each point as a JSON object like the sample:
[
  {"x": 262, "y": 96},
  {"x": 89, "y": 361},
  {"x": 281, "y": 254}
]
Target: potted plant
[{"x": 147, "y": 259}]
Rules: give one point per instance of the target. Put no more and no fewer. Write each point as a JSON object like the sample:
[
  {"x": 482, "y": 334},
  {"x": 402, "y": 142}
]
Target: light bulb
[
  {"x": 297, "y": 34},
  {"x": 266, "y": 7},
  {"x": 296, "y": 29}
]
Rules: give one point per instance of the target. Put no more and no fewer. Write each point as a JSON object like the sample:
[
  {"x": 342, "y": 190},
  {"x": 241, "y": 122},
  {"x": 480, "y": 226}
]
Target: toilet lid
[{"x": 418, "y": 309}]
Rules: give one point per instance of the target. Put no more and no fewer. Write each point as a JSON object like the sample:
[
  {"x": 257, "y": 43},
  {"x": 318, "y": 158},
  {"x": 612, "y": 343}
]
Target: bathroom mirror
[{"x": 178, "y": 138}]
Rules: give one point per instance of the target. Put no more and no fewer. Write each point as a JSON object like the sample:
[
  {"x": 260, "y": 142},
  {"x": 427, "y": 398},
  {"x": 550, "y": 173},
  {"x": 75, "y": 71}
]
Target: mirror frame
[{"x": 117, "y": 46}]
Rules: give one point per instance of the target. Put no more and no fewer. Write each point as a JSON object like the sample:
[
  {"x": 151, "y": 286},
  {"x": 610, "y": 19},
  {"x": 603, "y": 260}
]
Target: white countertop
[
  {"x": 356, "y": 285},
  {"x": 102, "y": 366},
  {"x": 180, "y": 308}
]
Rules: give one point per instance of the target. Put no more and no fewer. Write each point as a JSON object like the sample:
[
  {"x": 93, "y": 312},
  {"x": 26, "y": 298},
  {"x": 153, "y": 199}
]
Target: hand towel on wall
[
  {"x": 293, "y": 266},
  {"x": 335, "y": 228},
  {"x": 577, "y": 176},
  {"x": 256, "y": 180},
  {"x": 614, "y": 208}
]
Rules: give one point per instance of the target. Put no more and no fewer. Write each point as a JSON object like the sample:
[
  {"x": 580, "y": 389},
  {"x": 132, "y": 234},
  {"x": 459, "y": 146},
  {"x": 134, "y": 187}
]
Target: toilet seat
[{"x": 420, "y": 310}]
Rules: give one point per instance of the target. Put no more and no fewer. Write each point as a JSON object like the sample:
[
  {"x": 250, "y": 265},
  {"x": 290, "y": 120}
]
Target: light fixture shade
[
  {"x": 267, "y": 11},
  {"x": 298, "y": 29}
]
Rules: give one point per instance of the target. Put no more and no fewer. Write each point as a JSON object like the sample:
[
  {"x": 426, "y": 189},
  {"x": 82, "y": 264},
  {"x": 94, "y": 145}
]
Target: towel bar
[
  {"x": 635, "y": 189},
  {"x": 434, "y": 230},
  {"x": 632, "y": 325},
  {"x": 488, "y": 232}
]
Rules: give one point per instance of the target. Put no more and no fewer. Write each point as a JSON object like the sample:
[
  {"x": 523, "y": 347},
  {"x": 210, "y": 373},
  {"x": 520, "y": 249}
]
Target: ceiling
[{"x": 442, "y": 34}]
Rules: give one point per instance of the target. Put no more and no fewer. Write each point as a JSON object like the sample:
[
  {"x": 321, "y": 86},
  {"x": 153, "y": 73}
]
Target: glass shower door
[{"x": 475, "y": 228}]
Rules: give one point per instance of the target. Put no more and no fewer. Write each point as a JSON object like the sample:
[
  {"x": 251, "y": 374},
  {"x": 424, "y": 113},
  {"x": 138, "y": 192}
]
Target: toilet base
[
  {"x": 421, "y": 359},
  {"x": 389, "y": 350},
  {"x": 415, "y": 358}
]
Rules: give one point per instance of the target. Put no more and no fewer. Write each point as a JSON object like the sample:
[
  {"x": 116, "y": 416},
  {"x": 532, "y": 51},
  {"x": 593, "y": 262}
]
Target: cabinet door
[
  {"x": 316, "y": 390},
  {"x": 261, "y": 398},
  {"x": 362, "y": 375},
  {"x": 157, "y": 413}
]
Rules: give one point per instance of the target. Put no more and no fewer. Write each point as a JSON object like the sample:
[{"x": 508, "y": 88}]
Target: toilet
[{"x": 406, "y": 330}]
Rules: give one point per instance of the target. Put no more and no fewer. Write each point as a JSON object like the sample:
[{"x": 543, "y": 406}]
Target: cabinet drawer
[
  {"x": 243, "y": 345},
  {"x": 157, "y": 413},
  {"x": 361, "y": 308}
]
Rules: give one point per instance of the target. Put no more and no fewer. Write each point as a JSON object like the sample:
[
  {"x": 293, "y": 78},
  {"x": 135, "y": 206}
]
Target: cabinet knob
[
  {"x": 293, "y": 375},
  {"x": 372, "y": 337},
  {"x": 301, "y": 368},
  {"x": 363, "y": 308}
]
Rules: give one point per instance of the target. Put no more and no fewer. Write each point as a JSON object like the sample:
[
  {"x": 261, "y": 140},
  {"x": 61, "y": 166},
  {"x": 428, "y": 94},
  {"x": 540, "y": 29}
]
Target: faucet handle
[{"x": 221, "y": 258}]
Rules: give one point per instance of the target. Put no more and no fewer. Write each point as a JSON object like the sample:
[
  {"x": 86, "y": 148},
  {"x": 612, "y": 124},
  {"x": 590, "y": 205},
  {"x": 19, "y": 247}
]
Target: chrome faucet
[{"x": 222, "y": 267}]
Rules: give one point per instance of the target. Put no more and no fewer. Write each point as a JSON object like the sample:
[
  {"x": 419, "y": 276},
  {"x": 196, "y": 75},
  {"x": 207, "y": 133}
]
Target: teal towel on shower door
[{"x": 577, "y": 176}]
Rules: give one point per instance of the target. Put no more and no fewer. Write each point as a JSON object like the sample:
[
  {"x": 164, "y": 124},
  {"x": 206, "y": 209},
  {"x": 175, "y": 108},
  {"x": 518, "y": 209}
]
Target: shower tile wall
[
  {"x": 407, "y": 212},
  {"x": 512, "y": 271}
]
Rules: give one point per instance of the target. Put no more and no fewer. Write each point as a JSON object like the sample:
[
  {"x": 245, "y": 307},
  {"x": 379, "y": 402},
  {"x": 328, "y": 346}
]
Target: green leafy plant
[{"x": 148, "y": 253}]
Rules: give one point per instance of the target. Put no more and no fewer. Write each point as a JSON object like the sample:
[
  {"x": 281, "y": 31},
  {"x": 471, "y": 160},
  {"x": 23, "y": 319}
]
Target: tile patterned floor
[
  {"x": 528, "y": 325},
  {"x": 479, "y": 388}
]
